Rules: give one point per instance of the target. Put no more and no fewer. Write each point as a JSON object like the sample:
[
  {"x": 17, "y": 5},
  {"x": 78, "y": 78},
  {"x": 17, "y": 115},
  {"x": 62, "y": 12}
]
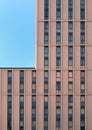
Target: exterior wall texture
[{"x": 57, "y": 94}]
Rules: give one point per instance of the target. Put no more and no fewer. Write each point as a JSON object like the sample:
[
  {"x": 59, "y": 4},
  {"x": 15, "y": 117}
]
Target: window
[
  {"x": 33, "y": 81},
  {"x": 70, "y": 110},
  {"x": 70, "y": 98},
  {"x": 45, "y": 88},
  {"x": 9, "y": 77},
  {"x": 46, "y": 50},
  {"x": 82, "y": 38},
  {"x": 70, "y": 26},
  {"x": 45, "y": 81},
  {"x": 9, "y": 98},
  {"x": 58, "y": 100},
  {"x": 58, "y": 9},
  {"x": 58, "y": 112},
  {"x": 9, "y": 73},
  {"x": 21, "y": 81},
  {"x": 58, "y": 74},
  {"x": 46, "y": 32},
  {"x": 70, "y": 2},
  {"x": 46, "y": 98},
  {"x": 82, "y": 111},
  {"x": 45, "y": 123},
  {"x": 21, "y": 98},
  {"x": 82, "y": 9},
  {"x": 21, "y": 112},
  {"x": 33, "y": 98},
  {"x": 33, "y": 73},
  {"x": 58, "y": 86},
  {"x": 33, "y": 77},
  {"x": 58, "y": 32},
  {"x": 46, "y": 26},
  {"x": 82, "y": 77},
  {"x": 34, "y": 88},
  {"x": 9, "y": 81},
  {"x": 46, "y": 38},
  {"x": 45, "y": 61},
  {"x": 58, "y": 26},
  {"x": 58, "y": 56},
  {"x": 70, "y": 86},
  {"x": 82, "y": 128},
  {"x": 82, "y": 100},
  {"x": 70, "y": 80},
  {"x": 21, "y": 76},
  {"x": 70, "y": 74},
  {"x": 82, "y": 117},
  {"x": 82, "y": 57},
  {"x": 57, "y": 109},
  {"x": 58, "y": 38},
  {"x": 33, "y": 127},
  {"x": 70, "y": 9},
  {"x": 70, "y": 37},
  {"x": 46, "y": 9},
  {"x": 82, "y": 27},
  {"x": 9, "y": 112},
  {"x": 57, "y": 124},
  {"x": 46, "y": 56},
  {"x": 70, "y": 55},
  {"x": 45, "y": 112},
  {"x": 45, "y": 77},
  {"x": 33, "y": 112},
  {"x": 70, "y": 113},
  {"x": 70, "y": 117}
]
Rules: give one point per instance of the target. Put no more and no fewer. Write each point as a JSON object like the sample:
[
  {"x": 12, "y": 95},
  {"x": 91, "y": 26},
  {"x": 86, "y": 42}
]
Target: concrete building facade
[{"x": 57, "y": 93}]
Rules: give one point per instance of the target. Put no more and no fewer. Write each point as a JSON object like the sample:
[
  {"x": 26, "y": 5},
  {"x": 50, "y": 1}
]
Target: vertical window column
[
  {"x": 70, "y": 112},
  {"x": 82, "y": 32},
  {"x": 70, "y": 32},
  {"x": 70, "y": 81},
  {"x": 58, "y": 9},
  {"x": 82, "y": 56},
  {"x": 9, "y": 114},
  {"x": 58, "y": 86},
  {"x": 21, "y": 112},
  {"x": 58, "y": 81},
  {"x": 46, "y": 112},
  {"x": 58, "y": 113},
  {"x": 70, "y": 100},
  {"x": 70, "y": 9},
  {"x": 58, "y": 56},
  {"x": 46, "y": 81},
  {"x": 46, "y": 32},
  {"x": 82, "y": 81},
  {"x": 82, "y": 100},
  {"x": 21, "y": 81},
  {"x": 46, "y": 9},
  {"x": 82, "y": 112},
  {"x": 46, "y": 56},
  {"x": 34, "y": 112},
  {"x": 82, "y": 9},
  {"x": 9, "y": 81},
  {"x": 33, "y": 81},
  {"x": 58, "y": 32},
  {"x": 70, "y": 56}
]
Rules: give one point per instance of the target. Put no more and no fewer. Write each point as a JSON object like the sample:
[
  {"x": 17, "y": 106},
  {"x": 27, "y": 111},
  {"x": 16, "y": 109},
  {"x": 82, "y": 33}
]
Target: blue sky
[{"x": 17, "y": 33}]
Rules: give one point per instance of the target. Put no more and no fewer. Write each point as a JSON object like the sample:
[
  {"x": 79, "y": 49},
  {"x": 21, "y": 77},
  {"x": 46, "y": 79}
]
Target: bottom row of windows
[{"x": 58, "y": 111}]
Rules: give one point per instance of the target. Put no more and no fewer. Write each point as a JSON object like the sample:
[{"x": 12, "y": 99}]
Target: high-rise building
[{"x": 57, "y": 94}]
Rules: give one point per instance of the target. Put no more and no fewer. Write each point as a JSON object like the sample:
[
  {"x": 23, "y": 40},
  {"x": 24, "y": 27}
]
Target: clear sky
[{"x": 17, "y": 33}]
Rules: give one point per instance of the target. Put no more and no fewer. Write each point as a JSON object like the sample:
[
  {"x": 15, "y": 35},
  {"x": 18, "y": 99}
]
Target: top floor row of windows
[{"x": 58, "y": 9}]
